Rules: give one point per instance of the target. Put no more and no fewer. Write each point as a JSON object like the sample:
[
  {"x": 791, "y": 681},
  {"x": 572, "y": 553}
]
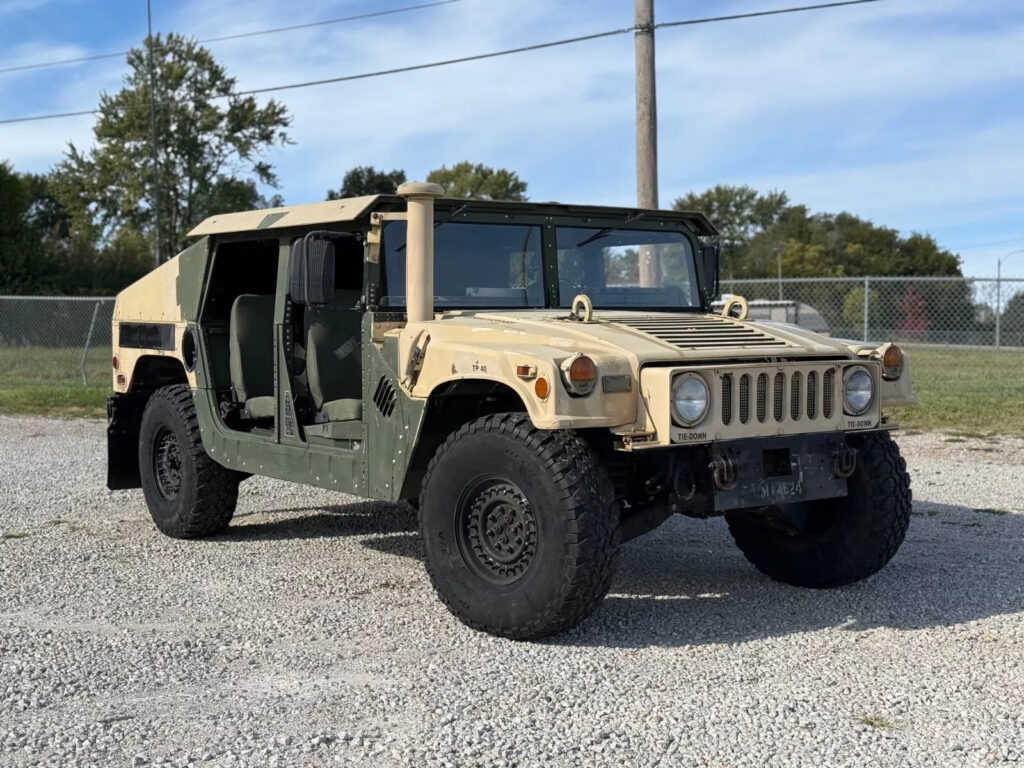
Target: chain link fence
[
  {"x": 51, "y": 339},
  {"x": 969, "y": 312},
  {"x": 55, "y": 339}
]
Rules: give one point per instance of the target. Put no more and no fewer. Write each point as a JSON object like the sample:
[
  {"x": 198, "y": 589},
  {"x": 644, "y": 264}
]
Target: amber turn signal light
[
  {"x": 892, "y": 362},
  {"x": 541, "y": 388}
]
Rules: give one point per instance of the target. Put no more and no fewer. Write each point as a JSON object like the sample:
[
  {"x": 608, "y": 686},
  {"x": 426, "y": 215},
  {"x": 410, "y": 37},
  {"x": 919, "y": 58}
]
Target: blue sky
[{"x": 907, "y": 112}]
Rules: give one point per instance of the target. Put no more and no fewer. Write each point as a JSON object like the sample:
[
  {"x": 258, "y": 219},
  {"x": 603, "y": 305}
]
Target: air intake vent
[
  {"x": 780, "y": 381},
  {"x": 812, "y": 394},
  {"x": 794, "y": 396},
  {"x": 697, "y": 331},
  {"x": 828, "y": 386},
  {"x": 727, "y": 399},
  {"x": 762, "y": 397},
  {"x": 384, "y": 397},
  {"x": 744, "y": 398}
]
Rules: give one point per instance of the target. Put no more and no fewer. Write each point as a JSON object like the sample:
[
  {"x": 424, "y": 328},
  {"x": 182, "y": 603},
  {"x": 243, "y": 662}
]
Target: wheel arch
[{"x": 450, "y": 405}]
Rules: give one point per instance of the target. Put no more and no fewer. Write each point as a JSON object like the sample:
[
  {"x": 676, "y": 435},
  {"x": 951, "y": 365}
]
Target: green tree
[
  {"x": 740, "y": 213},
  {"x": 479, "y": 182},
  {"x": 207, "y": 135},
  {"x": 367, "y": 180}
]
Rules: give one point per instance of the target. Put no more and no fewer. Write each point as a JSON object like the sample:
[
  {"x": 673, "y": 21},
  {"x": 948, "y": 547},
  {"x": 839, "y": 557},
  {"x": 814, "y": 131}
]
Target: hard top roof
[{"x": 350, "y": 209}]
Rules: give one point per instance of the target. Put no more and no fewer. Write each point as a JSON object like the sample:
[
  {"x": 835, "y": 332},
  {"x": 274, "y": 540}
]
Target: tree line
[{"x": 90, "y": 225}]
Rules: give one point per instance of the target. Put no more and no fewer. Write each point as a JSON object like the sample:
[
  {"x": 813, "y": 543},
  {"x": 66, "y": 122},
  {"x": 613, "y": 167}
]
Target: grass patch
[
  {"x": 994, "y": 511},
  {"x": 14, "y": 535},
  {"x": 874, "y": 721},
  {"x": 971, "y": 392},
  {"x": 54, "y": 400}
]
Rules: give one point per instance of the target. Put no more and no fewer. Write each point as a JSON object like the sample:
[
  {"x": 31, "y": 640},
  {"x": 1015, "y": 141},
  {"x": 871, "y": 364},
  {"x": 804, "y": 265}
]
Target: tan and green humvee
[{"x": 545, "y": 381}]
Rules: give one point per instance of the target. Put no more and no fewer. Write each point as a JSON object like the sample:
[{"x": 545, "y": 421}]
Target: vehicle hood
[{"x": 648, "y": 337}]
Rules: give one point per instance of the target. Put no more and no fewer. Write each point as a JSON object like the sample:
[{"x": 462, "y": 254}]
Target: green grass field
[{"x": 963, "y": 390}]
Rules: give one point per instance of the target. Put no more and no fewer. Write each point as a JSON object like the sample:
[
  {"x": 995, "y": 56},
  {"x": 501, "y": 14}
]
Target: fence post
[
  {"x": 867, "y": 304},
  {"x": 88, "y": 340},
  {"x": 999, "y": 297}
]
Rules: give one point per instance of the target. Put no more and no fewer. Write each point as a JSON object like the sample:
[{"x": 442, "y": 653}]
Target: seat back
[
  {"x": 251, "y": 346},
  {"x": 333, "y": 344}
]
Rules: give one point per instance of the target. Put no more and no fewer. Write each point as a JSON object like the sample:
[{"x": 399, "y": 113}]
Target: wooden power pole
[
  {"x": 646, "y": 134},
  {"x": 646, "y": 108}
]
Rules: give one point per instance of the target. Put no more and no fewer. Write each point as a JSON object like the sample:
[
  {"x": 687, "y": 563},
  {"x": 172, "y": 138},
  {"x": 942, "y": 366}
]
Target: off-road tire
[
  {"x": 564, "y": 491},
  {"x": 869, "y": 524},
  {"x": 207, "y": 492}
]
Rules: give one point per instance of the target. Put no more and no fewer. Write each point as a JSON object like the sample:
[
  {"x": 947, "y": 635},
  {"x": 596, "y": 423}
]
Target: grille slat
[
  {"x": 698, "y": 332},
  {"x": 827, "y": 393}
]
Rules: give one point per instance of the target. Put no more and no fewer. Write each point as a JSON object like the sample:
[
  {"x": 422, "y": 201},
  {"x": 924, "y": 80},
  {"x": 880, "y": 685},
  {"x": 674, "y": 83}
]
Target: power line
[
  {"x": 464, "y": 59},
  {"x": 325, "y": 22}
]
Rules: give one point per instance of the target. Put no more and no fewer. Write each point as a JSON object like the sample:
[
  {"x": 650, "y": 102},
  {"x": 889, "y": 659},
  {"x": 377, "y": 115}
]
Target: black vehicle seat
[
  {"x": 333, "y": 365},
  {"x": 251, "y": 354}
]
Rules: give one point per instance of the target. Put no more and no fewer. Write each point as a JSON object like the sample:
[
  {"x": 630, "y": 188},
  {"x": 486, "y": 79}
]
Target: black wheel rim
[
  {"x": 167, "y": 463},
  {"x": 497, "y": 530}
]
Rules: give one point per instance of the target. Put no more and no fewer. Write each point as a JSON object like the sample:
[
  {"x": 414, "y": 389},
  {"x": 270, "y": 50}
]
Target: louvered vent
[
  {"x": 780, "y": 380},
  {"x": 762, "y": 397},
  {"x": 744, "y": 398},
  {"x": 812, "y": 394},
  {"x": 384, "y": 397},
  {"x": 727, "y": 399},
  {"x": 828, "y": 385},
  {"x": 795, "y": 382},
  {"x": 697, "y": 331}
]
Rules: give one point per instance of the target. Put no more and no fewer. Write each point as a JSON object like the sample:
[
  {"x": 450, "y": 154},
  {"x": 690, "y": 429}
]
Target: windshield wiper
[
  {"x": 605, "y": 231},
  {"x": 437, "y": 224}
]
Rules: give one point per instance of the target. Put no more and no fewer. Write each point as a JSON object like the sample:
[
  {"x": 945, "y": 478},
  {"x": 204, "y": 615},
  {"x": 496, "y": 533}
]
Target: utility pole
[
  {"x": 646, "y": 107},
  {"x": 646, "y": 132},
  {"x": 152, "y": 125}
]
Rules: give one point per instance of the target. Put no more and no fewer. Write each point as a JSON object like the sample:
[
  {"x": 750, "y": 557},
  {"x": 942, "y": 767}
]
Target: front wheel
[
  {"x": 520, "y": 527},
  {"x": 832, "y": 542},
  {"x": 189, "y": 495}
]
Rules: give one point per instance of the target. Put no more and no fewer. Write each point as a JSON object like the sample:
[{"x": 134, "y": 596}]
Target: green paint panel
[{"x": 192, "y": 265}]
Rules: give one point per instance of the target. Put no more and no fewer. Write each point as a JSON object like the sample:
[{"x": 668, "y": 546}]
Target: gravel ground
[{"x": 309, "y": 635}]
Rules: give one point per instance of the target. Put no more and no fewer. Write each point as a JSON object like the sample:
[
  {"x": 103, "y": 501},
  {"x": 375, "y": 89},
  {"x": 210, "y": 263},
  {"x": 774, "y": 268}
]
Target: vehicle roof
[{"x": 350, "y": 209}]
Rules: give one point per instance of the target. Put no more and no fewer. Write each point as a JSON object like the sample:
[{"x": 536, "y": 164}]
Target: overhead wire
[
  {"x": 464, "y": 59},
  {"x": 236, "y": 36}
]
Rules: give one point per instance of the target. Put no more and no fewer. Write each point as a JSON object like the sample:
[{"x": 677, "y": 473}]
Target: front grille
[
  {"x": 697, "y": 331},
  {"x": 788, "y": 397}
]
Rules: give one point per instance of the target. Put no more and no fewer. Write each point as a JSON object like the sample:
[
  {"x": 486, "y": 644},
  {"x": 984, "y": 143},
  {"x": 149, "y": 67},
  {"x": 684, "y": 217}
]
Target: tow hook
[
  {"x": 844, "y": 461},
  {"x": 724, "y": 471}
]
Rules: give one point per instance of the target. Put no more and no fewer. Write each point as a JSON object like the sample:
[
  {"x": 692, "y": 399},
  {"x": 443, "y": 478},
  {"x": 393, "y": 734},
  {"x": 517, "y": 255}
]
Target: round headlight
[
  {"x": 689, "y": 399},
  {"x": 858, "y": 390}
]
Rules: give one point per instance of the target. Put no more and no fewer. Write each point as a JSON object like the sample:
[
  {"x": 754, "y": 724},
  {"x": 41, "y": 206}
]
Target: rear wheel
[
  {"x": 189, "y": 495},
  {"x": 520, "y": 527},
  {"x": 832, "y": 542}
]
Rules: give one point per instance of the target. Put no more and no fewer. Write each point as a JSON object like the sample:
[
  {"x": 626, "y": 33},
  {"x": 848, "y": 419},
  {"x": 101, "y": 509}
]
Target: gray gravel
[{"x": 309, "y": 635}]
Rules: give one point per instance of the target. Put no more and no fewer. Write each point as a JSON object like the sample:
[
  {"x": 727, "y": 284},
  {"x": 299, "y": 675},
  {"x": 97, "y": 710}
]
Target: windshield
[
  {"x": 625, "y": 268},
  {"x": 475, "y": 265}
]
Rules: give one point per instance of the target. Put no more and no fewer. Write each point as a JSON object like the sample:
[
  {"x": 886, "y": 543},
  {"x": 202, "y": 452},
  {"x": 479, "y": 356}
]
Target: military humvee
[{"x": 543, "y": 381}]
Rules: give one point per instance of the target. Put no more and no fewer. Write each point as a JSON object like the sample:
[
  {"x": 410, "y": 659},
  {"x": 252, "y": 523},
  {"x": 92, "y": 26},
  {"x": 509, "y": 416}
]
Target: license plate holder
[{"x": 762, "y": 478}]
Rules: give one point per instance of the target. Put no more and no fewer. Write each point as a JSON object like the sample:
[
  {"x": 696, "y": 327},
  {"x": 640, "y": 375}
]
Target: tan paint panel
[{"x": 327, "y": 212}]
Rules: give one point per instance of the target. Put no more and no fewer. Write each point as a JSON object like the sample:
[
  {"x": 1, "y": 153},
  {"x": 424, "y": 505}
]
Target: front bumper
[{"x": 760, "y": 472}]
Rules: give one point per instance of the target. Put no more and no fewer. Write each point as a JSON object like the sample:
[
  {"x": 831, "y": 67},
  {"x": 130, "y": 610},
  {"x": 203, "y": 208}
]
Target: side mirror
[
  {"x": 709, "y": 264},
  {"x": 311, "y": 269}
]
